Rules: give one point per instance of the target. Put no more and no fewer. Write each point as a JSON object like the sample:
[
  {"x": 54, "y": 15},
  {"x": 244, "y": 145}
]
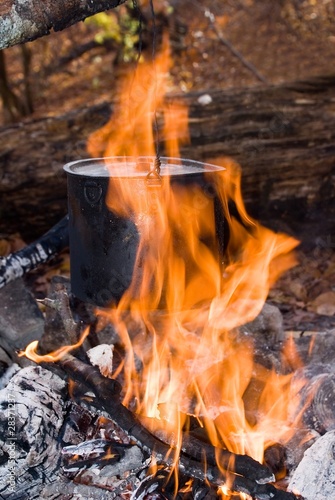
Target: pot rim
[{"x": 116, "y": 166}]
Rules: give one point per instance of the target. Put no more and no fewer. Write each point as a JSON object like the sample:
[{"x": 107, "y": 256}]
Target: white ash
[
  {"x": 314, "y": 478},
  {"x": 67, "y": 489},
  {"x": 102, "y": 357},
  {"x": 36, "y": 396},
  {"x": 132, "y": 460}
]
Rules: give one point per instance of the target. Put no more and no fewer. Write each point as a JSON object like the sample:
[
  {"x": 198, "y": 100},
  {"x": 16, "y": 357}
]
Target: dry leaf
[
  {"x": 4, "y": 248},
  {"x": 324, "y": 304},
  {"x": 16, "y": 243},
  {"x": 298, "y": 290}
]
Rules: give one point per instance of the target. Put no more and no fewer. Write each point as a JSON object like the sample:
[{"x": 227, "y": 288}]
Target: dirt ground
[{"x": 215, "y": 44}]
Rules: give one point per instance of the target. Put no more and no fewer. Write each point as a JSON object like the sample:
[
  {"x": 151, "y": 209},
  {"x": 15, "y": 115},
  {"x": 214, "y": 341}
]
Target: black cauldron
[{"x": 103, "y": 245}]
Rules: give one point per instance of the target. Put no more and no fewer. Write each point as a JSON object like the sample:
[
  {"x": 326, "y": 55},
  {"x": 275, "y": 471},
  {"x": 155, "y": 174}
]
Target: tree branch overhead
[{"x": 25, "y": 20}]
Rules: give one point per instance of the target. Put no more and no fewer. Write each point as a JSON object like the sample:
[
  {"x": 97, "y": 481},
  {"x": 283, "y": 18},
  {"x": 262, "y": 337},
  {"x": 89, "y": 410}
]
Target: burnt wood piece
[
  {"x": 283, "y": 136},
  {"x": 42, "y": 250},
  {"x": 25, "y": 20},
  {"x": 197, "y": 448},
  {"x": 316, "y": 406},
  {"x": 107, "y": 392},
  {"x": 243, "y": 464}
]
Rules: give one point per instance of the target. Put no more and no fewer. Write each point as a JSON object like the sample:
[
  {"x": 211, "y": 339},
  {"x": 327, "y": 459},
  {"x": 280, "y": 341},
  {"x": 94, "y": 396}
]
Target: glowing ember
[{"x": 178, "y": 316}]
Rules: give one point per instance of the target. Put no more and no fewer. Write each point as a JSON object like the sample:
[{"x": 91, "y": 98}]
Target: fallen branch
[
  {"x": 25, "y": 20},
  {"x": 42, "y": 250}
]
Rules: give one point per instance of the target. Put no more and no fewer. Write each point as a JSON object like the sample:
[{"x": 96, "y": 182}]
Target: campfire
[{"x": 175, "y": 271}]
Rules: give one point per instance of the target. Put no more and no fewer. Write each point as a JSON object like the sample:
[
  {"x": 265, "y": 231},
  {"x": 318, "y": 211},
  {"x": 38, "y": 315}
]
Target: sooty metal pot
[{"x": 103, "y": 245}]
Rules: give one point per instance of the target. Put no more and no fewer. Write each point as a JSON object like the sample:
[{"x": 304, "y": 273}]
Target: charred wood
[
  {"x": 324, "y": 404},
  {"x": 23, "y": 21},
  {"x": 41, "y": 251},
  {"x": 317, "y": 397},
  {"x": 197, "y": 449},
  {"x": 59, "y": 302},
  {"x": 275, "y": 457},
  {"x": 46, "y": 423}
]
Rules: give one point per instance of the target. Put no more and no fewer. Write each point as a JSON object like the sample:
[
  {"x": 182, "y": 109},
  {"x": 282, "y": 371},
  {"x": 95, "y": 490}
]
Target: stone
[
  {"x": 267, "y": 328},
  {"x": 314, "y": 478},
  {"x": 21, "y": 321}
]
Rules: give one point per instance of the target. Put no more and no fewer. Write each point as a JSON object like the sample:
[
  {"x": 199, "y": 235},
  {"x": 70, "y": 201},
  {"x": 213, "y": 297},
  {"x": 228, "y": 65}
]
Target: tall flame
[
  {"x": 183, "y": 299},
  {"x": 186, "y": 296}
]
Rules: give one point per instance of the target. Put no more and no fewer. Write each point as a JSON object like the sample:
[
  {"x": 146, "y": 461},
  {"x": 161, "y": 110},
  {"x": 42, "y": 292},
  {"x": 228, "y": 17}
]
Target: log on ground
[{"x": 283, "y": 136}]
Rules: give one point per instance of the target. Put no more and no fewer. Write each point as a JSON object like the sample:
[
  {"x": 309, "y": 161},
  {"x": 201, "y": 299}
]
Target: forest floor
[
  {"x": 212, "y": 42},
  {"x": 215, "y": 44}
]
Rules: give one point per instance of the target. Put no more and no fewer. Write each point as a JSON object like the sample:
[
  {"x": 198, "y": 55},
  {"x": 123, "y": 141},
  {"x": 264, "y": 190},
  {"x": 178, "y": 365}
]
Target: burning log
[
  {"x": 25, "y": 21},
  {"x": 196, "y": 448},
  {"x": 41, "y": 251},
  {"x": 240, "y": 471},
  {"x": 37, "y": 434},
  {"x": 107, "y": 392}
]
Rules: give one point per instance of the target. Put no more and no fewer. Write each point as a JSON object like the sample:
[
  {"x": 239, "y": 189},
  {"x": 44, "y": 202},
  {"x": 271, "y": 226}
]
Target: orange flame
[
  {"x": 187, "y": 295},
  {"x": 31, "y": 350},
  {"x": 183, "y": 346}
]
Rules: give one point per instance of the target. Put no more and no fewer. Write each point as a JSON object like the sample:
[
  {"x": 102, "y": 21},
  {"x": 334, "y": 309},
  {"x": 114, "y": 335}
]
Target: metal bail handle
[{"x": 154, "y": 178}]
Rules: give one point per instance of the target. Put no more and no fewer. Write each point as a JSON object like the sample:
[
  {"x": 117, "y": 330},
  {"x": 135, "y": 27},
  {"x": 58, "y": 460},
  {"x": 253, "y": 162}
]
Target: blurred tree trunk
[
  {"x": 25, "y": 20},
  {"x": 12, "y": 105},
  {"x": 16, "y": 106},
  {"x": 26, "y": 63}
]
